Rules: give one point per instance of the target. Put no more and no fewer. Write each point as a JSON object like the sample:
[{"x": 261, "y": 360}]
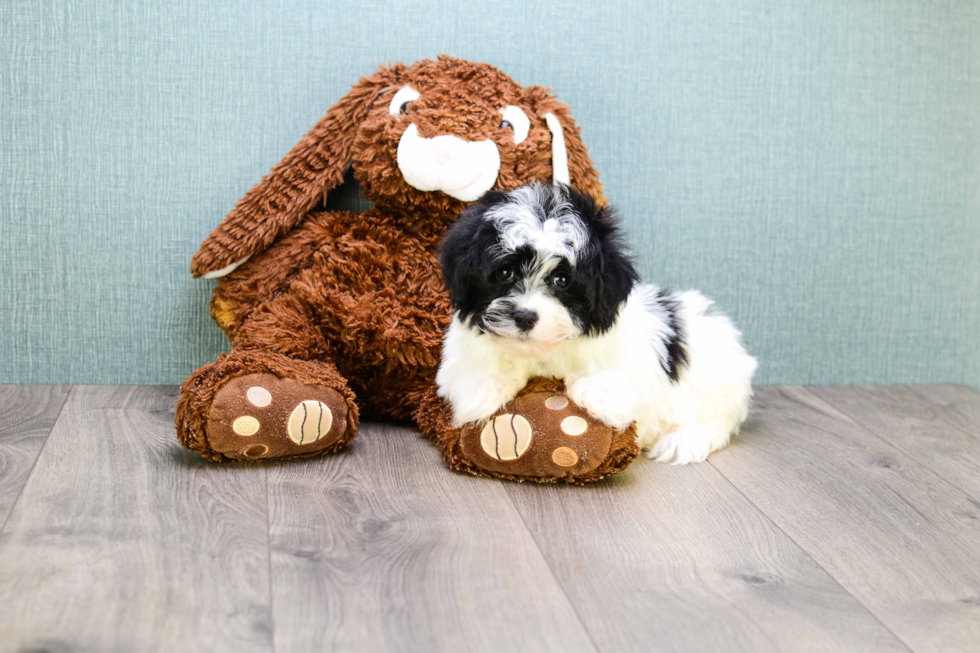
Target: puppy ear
[
  {"x": 558, "y": 116},
  {"x": 607, "y": 263},
  {"x": 465, "y": 249},
  {"x": 295, "y": 185}
]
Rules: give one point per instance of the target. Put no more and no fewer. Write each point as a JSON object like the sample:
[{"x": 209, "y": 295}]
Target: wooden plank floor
[{"x": 842, "y": 519}]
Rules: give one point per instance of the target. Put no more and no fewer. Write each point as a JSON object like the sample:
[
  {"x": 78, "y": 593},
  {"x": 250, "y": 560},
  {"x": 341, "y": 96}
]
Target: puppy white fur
[{"x": 542, "y": 286}]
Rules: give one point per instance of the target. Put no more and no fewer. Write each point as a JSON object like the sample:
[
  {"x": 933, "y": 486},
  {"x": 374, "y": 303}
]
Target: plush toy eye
[
  {"x": 505, "y": 125},
  {"x": 559, "y": 281},
  {"x": 516, "y": 119},
  {"x": 404, "y": 97},
  {"x": 505, "y": 273}
]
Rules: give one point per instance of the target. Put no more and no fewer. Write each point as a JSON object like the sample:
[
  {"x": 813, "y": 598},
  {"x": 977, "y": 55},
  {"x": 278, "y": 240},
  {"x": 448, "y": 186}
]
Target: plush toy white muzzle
[
  {"x": 463, "y": 169},
  {"x": 467, "y": 169}
]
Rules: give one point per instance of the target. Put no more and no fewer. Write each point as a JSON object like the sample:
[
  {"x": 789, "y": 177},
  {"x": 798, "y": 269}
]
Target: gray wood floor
[{"x": 842, "y": 519}]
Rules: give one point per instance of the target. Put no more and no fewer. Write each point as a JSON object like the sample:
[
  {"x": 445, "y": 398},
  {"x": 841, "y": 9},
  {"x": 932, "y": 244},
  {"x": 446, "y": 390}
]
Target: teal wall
[{"x": 813, "y": 165}]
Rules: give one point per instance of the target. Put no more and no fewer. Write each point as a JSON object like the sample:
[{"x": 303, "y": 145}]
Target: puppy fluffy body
[{"x": 541, "y": 285}]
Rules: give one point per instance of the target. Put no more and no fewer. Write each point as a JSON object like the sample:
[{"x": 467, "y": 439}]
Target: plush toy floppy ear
[
  {"x": 570, "y": 160},
  {"x": 294, "y": 186}
]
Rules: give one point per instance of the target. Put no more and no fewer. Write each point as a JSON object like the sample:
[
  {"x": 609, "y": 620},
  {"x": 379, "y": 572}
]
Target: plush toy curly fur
[{"x": 334, "y": 316}]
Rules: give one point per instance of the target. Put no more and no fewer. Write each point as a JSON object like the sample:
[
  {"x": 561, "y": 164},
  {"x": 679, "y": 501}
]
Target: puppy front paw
[
  {"x": 688, "y": 444},
  {"x": 477, "y": 400},
  {"x": 608, "y": 396}
]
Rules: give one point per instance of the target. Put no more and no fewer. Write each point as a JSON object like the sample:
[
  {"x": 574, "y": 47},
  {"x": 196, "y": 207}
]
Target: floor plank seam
[
  {"x": 40, "y": 452},
  {"x": 268, "y": 550},
  {"x": 896, "y": 446},
  {"x": 811, "y": 558},
  {"x": 554, "y": 576},
  {"x": 941, "y": 410}
]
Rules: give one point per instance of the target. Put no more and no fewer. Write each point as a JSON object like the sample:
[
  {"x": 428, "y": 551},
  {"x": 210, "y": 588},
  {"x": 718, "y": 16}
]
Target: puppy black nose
[{"x": 525, "y": 319}]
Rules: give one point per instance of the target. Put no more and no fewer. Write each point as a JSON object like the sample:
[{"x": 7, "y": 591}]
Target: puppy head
[{"x": 543, "y": 263}]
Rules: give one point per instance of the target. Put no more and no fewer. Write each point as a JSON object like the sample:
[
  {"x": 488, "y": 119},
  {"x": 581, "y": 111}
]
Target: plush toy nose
[
  {"x": 525, "y": 319},
  {"x": 446, "y": 148}
]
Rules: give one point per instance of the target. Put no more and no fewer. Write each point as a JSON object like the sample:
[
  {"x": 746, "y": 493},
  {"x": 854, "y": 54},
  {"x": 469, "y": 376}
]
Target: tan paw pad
[
  {"x": 556, "y": 403},
  {"x": 245, "y": 425},
  {"x": 259, "y": 396},
  {"x": 506, "y": 437},
  {"x": 310, "y": 421},
  {"x": 564, "y": 457},
  {"x": 574, "y": 425}
]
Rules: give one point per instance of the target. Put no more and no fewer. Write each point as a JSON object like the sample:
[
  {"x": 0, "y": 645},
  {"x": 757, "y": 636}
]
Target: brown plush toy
[{"x": 335, "y": 316}]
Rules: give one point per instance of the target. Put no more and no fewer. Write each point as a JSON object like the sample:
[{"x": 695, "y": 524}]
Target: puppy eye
[
  {"x": 505, "y": 125},
  {"x": 404, "y": 97},
  {"x": 559, "y": 281},
  {"x": 504, "y": 274}
]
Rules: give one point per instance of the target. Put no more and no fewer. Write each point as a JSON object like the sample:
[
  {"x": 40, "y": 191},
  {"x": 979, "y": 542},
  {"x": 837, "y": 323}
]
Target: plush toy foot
[
  {"x": 540, "y": 436},
  {"x": 262, "y": 416},
  {"x": 248, "y": 406}
]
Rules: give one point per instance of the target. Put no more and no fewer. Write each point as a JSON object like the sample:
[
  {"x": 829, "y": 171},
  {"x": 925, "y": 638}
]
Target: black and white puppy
[{"x": 542, "y": 285}]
